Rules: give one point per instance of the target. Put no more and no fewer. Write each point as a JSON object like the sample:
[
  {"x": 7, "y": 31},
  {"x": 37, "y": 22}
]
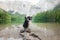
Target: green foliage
[
  {"x": 8, "y": 18},
  {"x": 17, "y": 18},
  {"x": 48, "y": 16},
  {"x": 4, "y": 17}
]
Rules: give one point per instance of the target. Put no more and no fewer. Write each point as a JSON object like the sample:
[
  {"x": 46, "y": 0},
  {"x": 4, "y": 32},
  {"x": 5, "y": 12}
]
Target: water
[
  {"x": 51, "y": 30},
  {"x": 46, "y": 31}
]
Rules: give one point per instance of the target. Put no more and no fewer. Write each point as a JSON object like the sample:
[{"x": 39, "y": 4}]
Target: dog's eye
[{"x": 29, "y": 18}]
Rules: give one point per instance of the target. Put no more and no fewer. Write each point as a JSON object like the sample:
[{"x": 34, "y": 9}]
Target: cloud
[
  {"x": 30, "y": 5},
  {"x": 48, "y": 4},
  {"x": 32, "y": 1}
]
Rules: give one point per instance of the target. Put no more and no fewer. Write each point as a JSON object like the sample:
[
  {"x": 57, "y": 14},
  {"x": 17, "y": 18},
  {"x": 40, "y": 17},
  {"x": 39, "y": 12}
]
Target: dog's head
[{"x": 28, "y": 18}]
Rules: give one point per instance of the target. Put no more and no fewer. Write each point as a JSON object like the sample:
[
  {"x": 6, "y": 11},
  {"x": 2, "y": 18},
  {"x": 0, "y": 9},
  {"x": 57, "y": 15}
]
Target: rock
[
  {"x": 21, "y": 31},
  {"x": 34, "y": 35},
  {"x": 27, "y": 30},
  {"x": 15, "y": 33},
  {"x": 22, "y": 35}
]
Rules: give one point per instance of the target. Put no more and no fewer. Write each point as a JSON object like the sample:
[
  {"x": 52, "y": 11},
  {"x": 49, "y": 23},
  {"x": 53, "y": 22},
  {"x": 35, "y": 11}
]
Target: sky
[
  {"x": 32, "y": 1},
  {"x": 31, "y": 5}
]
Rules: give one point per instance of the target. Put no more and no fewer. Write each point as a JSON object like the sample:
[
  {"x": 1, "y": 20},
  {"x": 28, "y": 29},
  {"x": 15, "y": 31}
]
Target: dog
[
  {"x": 26, "y": 25},
  {"x": 26, "y": 22}
]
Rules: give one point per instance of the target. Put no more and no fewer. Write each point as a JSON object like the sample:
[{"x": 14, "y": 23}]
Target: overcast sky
[
  {"x": 32, "y": 1},
  {"x": 43, "y": 4}
]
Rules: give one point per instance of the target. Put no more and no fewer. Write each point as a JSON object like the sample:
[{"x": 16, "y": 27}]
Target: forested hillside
[
  {"x": 4, "y": 17},
  {"x": 8, "y": 18},
  {"x": 48, "y": 16}
]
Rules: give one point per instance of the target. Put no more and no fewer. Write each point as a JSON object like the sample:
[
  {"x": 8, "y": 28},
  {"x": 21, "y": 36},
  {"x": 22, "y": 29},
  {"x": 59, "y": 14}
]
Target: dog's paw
[
  {"x": 22, "y": 31},
  {"x": 28, "y": 31}
]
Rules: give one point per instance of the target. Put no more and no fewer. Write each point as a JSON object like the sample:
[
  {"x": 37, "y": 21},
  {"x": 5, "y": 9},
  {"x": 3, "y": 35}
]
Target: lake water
[
  {"x": 46, "y": 31},
  {"x": 52, "y": 30}
]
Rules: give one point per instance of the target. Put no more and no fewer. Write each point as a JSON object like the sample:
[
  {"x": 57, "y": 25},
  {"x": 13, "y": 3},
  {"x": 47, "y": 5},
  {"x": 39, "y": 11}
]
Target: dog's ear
[{"x": 31, "y": 18}]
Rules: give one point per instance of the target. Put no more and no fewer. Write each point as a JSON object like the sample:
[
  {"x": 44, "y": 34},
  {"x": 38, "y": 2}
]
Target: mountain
[{"x": 57, "y": 6}]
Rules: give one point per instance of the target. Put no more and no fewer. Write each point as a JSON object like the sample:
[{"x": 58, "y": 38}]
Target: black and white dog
[
  {"x": 26, "y": 22},
  {"x": 26, "y": 25}
]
